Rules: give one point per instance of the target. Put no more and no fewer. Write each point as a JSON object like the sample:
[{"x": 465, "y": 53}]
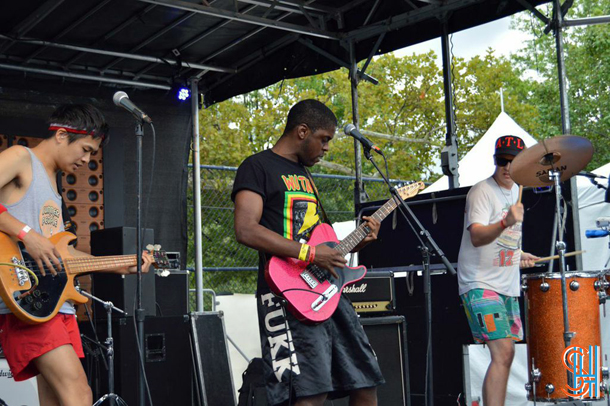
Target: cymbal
[{"x": 567, "y": 154}]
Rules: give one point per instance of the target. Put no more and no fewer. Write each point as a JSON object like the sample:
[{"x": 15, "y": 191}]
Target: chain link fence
[{"x": 229, "y": 267}]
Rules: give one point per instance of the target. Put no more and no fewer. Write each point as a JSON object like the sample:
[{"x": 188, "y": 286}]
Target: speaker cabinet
[
  {"x": 213, "y": 375},
  {"x": 388, "y": 337},
  {"x": 172, "y": 293},
  {"x": 167, "y": 360},
  {"x": 121, "y": 289}
]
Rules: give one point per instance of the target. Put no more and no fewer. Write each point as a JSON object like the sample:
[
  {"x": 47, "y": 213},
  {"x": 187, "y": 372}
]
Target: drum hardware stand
[
  {"x": 535, "y": 375},
  {"x": 112, "y": 397},
  {"x": 561, "y": 250},
  {"x": 425, "y": 247}
]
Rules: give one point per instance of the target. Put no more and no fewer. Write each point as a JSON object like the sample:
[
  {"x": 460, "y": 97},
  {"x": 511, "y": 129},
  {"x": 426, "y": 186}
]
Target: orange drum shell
[{"x": 544, "y": 326}]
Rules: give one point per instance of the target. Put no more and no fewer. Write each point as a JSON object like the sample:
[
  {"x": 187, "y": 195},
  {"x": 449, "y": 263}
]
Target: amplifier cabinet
[
  {"x": 172, "y": 293},
  {"x": 374, "y": 294},
  {"x": 388, "y": 337}
]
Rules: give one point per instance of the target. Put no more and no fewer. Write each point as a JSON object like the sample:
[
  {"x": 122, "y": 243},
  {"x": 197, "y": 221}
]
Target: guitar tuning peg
[
  {"x": 157, "y": 247},
  {"x": 150, "y": 247}
]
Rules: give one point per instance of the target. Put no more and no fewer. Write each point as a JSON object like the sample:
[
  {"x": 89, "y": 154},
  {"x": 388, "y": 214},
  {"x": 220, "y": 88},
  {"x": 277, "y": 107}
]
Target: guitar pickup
[
  {"x": 309, "y": 279},
  {"x": 324, "y": 298}
]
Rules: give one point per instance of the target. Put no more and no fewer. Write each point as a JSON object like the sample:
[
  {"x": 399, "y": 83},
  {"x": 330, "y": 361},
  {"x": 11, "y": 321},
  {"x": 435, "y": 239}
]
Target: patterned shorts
[{"x": 492, "y": 316}]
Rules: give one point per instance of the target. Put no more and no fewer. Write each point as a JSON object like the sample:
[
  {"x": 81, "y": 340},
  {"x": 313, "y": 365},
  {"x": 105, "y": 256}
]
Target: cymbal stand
[
  {"x": 555, "y": 176},
  {"x": 113, "y": 398}
]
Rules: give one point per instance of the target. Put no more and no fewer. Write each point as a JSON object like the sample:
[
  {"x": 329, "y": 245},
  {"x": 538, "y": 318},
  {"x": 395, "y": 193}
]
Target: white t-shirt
[{"x": 493, "y": 266}]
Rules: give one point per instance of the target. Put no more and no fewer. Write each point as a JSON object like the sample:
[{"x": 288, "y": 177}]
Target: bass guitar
[
  {"x": 34, "y": 298},
  {"x": 312, "y": 294}
]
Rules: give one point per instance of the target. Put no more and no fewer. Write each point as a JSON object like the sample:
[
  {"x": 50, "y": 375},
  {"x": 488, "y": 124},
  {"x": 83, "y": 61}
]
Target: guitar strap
[
  {"x": 315, "y": 191},
  {"x": 65, "y": 213}
]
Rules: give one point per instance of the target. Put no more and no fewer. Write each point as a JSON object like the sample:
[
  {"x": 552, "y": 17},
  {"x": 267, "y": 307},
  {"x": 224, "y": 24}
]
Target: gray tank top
[{"x": 40, "y": 208}]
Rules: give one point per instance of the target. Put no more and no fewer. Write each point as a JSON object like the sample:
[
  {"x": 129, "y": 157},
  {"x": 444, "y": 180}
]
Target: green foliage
[
  {"x": 408, "y": 103},
  {"x": 587, "y": 68}
]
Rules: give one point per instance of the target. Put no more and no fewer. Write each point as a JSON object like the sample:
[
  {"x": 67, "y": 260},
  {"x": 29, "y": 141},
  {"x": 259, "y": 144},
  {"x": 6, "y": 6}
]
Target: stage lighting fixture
[{"x": 184, "y": 93}]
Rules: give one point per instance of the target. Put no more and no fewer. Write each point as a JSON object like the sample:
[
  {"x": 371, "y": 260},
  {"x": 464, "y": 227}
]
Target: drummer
[{"x": 488, "y": 267}]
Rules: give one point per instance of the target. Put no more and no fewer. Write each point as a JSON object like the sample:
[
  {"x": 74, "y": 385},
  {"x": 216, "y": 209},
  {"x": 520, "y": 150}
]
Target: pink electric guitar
[{"x": 312, "y": 293}]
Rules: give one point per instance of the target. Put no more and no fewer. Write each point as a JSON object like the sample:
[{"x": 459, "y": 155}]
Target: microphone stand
[
  {"x": 139, "y": 312},
  {"x": 111, "y": 396},
  {"x": 424, "y": 247}
]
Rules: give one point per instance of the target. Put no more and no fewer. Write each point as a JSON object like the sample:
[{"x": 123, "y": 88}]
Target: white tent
[
  {"x": 478, "y": 163},
  {"x": 591, "y": 206}
]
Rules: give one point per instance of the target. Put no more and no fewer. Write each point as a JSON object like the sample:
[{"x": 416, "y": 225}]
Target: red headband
[{"x": 70, "y": 129}]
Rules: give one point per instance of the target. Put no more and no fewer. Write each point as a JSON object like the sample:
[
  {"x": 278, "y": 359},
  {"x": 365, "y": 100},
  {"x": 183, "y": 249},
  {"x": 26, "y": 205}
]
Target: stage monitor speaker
[
  {"x": 168, "y": 362},
  {"x": 121, "y": 289},
  {"x": 213, "y": 375},
  {"x": 172, "y": 293},
  {"x": 388, "y": 337}
]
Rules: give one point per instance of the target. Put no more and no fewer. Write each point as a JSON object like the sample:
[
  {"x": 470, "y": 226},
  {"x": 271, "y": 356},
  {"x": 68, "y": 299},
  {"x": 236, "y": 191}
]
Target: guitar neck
[
  {"x": 359, "y": 234},
  {"x": 80, "y": 265}
]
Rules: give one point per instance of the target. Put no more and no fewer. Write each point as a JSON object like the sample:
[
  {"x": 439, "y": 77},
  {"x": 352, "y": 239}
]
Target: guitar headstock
[
  {"x": 410, "y": 190},
  {"x": 160, "y": 259}
]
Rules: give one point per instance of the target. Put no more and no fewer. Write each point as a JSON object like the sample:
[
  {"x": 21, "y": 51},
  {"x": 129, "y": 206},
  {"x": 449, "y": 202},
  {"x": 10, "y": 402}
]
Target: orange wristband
[
  {"x": 503, "y": 224},
  {"x": 312, "y": 254},
  {"x": 2, "y": 209}
]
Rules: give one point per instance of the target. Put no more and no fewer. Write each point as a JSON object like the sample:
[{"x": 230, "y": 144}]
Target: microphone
[
  {"x": 596, "y": 233},
  {"x": 590, "y": 175},
  {"x": 350, "y": 129},
  {"x": 122, "y": 100}
]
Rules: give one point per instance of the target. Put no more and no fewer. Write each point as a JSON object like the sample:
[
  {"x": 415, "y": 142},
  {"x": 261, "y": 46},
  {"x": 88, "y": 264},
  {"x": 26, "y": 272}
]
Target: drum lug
[
  {"x": 602, "y": 297},
  {"x": 536, "y": 374},
  {"x": 524, "y": 286},
  {"x": 605, "y": 373},
  {"x": 528, "y": 387},
  {"x": 549, "y": 388},
  {"x": 601, "y": 284},
  {"x": 544, "y": 287},
  {"x": 574, "y": 285},
  {"x": 603, "y": 387}
]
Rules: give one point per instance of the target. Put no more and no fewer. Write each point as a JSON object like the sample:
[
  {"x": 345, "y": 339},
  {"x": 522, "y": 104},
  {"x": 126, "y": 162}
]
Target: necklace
[{"x": 505, "y": 193}]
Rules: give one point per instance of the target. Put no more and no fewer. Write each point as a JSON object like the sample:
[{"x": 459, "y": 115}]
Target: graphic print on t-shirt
[
  {"x": 50, "y": 218},
  {"x": 508, "y": 242},
  {"x": 300, "y": 208}
]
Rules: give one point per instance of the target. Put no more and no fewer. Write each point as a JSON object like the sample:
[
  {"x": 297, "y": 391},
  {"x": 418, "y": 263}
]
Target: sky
[{"x": 475, "y": 41}]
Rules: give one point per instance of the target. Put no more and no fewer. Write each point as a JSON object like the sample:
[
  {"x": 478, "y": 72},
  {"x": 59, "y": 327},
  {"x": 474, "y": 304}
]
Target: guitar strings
[{"x": 28, "y": 265}]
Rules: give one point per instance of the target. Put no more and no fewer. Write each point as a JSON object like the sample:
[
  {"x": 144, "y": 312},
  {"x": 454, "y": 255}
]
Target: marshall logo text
[{"x": 355, "y": 288}]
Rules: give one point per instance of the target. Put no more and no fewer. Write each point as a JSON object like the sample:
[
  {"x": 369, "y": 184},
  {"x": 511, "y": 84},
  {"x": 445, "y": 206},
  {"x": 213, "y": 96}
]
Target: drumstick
[
  {"x": 520, "y": 193},
  {"x": 570, "y": 254}
]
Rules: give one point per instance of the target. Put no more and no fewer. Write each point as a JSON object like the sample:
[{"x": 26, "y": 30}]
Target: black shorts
[{"x": 333, "y": 357}]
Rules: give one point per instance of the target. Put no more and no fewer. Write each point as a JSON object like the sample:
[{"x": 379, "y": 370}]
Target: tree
[{"x": 587, "y": 63}]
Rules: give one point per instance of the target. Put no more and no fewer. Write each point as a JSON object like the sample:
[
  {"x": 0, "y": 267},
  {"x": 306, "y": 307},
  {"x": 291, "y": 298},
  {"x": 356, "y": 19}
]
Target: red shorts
[{"x": 22, "y": 342}]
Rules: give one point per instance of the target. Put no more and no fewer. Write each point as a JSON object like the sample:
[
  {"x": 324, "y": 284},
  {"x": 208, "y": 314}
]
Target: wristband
[
  {"x": 2, "y": 208},
  {"x": 304, "y": 253},
  {"x": 503, "y": 224},
  {"x": 312, "y": 254},
  {"x": 23, "y": 232}
]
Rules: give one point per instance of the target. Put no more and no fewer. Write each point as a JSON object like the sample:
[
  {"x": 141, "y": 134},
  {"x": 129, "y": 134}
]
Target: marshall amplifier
[{"x": 373, "y": 294}]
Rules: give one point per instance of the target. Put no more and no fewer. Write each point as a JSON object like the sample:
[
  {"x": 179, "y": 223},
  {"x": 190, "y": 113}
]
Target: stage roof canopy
[{"x": 232, "y": 46}]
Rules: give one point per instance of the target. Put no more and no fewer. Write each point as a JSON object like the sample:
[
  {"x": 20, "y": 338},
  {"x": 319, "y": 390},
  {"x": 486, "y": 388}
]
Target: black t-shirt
[{"x": 290, "y": 207}]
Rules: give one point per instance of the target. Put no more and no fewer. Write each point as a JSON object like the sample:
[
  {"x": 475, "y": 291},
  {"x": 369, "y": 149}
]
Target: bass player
[{"x": 30, "y": 210}]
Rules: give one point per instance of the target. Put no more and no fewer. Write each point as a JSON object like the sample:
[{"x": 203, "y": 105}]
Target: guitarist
[
  {"x": 276, "y": 209},
  {"x": 30, "y": 210}
]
